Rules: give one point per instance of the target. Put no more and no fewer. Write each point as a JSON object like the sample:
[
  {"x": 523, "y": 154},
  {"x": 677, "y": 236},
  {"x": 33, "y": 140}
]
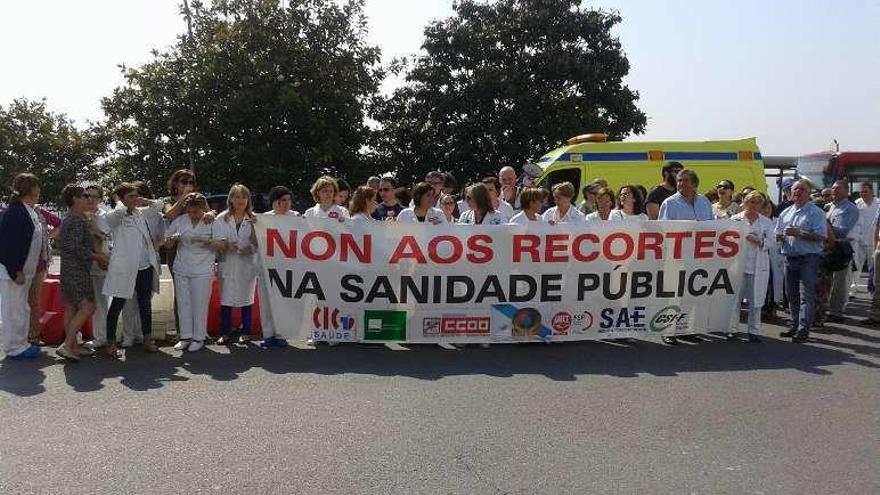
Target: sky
[{"x": 794, "y": 74}]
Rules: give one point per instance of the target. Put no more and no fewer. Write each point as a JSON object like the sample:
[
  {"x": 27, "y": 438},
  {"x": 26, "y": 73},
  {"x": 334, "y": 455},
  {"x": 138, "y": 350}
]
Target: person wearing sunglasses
[
  {"x": 725, "y": 207},
  {"x": 389, "y": 208},
  {"x": 667, "y": 188}
]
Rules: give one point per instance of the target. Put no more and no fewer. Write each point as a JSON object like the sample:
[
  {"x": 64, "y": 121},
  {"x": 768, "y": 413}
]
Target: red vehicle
[{"x": 825, "y": 167}]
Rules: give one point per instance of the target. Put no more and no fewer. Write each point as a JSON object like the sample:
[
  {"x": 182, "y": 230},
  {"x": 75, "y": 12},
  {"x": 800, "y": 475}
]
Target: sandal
[
  {"x": 113, "y": 351},
  {"x": 66, "y": 354}
]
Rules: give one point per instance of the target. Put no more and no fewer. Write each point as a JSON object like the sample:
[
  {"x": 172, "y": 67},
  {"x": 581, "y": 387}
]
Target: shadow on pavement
[{"x": 564, "y": 362}]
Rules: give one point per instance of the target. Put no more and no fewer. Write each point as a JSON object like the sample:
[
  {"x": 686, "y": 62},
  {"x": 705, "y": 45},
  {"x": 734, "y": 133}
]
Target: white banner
[{"x": 419, "y": 283}]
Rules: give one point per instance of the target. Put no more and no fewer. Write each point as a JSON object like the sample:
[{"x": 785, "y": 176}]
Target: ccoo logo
[{"x": 326, "y": 318}]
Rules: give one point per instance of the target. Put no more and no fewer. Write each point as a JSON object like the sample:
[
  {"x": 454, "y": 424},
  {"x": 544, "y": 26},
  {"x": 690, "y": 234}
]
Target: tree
[
  {"x": 49, "y": 145},
  {"x": 502, "y": 83},
  {"x": 263, "y": 93}
]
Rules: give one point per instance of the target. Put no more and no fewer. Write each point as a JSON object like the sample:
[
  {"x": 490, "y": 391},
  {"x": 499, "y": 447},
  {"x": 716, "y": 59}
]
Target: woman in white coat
[
  {"x": 423, "y": 211},
  {"x": 197, "y": 245},
  {"x": 280, "y": 198},
  {"x": 134, "y": 264},
  {"x": 564, "y": 211},
  {"x": 758, "y": 241},
  {"x": 238, "y": 264},
  {"x": 362, "y": 205}
]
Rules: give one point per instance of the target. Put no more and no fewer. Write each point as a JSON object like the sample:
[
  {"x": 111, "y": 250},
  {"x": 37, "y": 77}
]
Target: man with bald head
[
  {"x": 802, "y": 228},
  {"x": 509, "y": 192}
]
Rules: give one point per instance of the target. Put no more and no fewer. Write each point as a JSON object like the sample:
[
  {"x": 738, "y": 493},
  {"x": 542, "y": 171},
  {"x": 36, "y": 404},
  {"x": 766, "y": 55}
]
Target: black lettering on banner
[
  {"x": 381, "y": 289},
  {"x": 721, "y": 282},
  {"x": 547, "y": 286},
  {"x": 408, "y": 285},
  {"x": 692, "y": 280},
  {"x": 514, "y": 282},
  {"x": 354, "y": 292},
  {"x": 307, "y": 285},
  {"x": 491, "y": 288},
  {"x": 606, "y": 288},
  {"x": 438, "y": 279},
  {"x": 587, "y": 282},
  {"x": 661, "y": 287},
  {"x": 451, "y": 284},
  {"x": 641, "y": 284}
]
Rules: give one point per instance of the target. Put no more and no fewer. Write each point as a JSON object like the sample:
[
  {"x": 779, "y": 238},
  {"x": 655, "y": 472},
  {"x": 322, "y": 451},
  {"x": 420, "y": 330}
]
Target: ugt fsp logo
[{"x": 667, "y": 317}]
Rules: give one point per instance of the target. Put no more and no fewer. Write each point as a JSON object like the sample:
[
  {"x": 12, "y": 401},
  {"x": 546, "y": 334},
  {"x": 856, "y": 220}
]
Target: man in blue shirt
[
  {"x": 686, "y": 204},
  {"x": 844, "y": 217},
  {"x": 802, "y": 228}
]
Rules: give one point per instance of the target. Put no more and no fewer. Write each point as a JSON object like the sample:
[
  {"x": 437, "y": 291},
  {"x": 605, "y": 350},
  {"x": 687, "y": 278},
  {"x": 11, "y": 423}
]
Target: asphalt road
[{"x": 593, "y": 417}]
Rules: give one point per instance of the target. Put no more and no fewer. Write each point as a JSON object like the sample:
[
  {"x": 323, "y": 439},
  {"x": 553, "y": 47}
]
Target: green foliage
[
  {"x": 265, "y": 93},
  {"x": 33, "y": 139},
  {"x": 501, "y": 83}
]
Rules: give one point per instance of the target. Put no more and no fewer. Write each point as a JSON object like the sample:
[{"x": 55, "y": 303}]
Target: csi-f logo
[
  {"x": 667, "y": 317},
  {"x": 325, "y": 318}
]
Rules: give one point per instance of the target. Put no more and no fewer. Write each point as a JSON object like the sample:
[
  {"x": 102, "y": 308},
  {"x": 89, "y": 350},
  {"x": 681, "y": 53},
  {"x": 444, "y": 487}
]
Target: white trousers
[
  {"x": 266, "y": 321},
  {"x": 747, "y": 292},
  {"x": 102, "y": 304},
  {"x": 193, "y": 295},
  {"x": 131, "y": 322},
  {"x": 16, "y": 316}
]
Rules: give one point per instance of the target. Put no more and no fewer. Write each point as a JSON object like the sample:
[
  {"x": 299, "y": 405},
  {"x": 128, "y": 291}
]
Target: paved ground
[{"x": 593, "y": 417}]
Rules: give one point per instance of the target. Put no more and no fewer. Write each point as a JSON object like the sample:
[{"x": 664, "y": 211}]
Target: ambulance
[{"x": 591, "y": 156}]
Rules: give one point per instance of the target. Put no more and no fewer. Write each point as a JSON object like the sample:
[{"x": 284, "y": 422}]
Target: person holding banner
[
  {"x": 362, "y": 205},
  {"x": 686, "y": 204},
  {"x": 630, "y": 204},
  {"x": 482, "y": 212},
  {"x": 197, "y": 244},
  {"x": 493, "y": 185},
  {"x": 324, "y": 192},
  {"x": 802, "y": 229},
  {"x": 280, "y": 199},
  {"x": 564, "y": 211},
  {"x": 532, "y": 200},
  {"x": 756, "y": 275},
  {"x": 238, "y": 264},
  {"x": 604, "y": 203},
  {"x": 423, "y": 211}
]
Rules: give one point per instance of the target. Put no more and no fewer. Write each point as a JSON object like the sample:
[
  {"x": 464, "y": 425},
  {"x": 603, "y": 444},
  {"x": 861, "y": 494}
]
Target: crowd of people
[{"x": 801, "y": 251}]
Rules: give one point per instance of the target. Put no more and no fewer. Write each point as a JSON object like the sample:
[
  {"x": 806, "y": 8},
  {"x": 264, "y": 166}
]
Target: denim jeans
[
  {"x": 226, "y": 319},
  {"x": 143, "y": 292},
  {"x": 801, "y": 273}
]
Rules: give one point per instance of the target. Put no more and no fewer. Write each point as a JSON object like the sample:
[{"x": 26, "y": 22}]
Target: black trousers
[{"x": 143, "y": 293}]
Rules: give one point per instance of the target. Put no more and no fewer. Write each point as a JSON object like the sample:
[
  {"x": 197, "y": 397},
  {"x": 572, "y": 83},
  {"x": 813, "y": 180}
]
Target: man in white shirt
[{"x": 868, "y": 206}]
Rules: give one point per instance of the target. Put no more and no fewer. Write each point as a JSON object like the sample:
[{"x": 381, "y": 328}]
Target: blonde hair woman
[
  {"x": 324, "y": 192},
  {"x": 238, "y": 263},
  {"x": 564, "y": 211},
  {"x": 756, "y": 275},
  {"x": 362, "y": 205}
]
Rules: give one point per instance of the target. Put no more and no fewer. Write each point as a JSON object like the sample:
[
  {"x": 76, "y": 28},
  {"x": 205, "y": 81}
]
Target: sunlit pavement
[{"x": 711, "y": 417}]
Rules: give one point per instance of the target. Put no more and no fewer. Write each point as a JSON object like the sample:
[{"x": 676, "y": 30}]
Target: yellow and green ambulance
[{"x": 591, "y": 156}]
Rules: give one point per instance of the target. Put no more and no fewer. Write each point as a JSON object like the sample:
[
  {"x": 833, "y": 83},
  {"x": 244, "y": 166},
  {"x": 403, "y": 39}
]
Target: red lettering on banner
[
  {"x": 480, "y": 251},
  {"x": 526, "y": 244},
  {"x": 347, "y": 245},
  {"x": 556, "y": 244},
  {"x": 651, "y": 241},
  {"x": 728, "y": 239},
  {"x": 704, "y": 240},
  {"x": 576, "y": 247},
  {"x": 408, "y": 248},
  {"x": 329, "y": 249},
  {"x": 677, "y": 237},
  {"x": 629, "y": 246},
  {"x": 273, "y": 238},
  {"x": 457, "y": 249}
]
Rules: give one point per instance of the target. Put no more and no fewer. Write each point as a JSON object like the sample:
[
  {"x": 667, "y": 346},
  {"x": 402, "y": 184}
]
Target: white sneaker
[
  {"x": 310, "y": 341},
  {"x": 182, "y": 345},
  {"x": 196, "y": 345}
]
